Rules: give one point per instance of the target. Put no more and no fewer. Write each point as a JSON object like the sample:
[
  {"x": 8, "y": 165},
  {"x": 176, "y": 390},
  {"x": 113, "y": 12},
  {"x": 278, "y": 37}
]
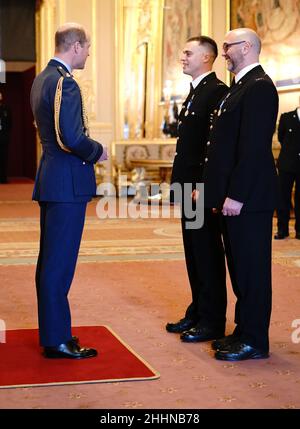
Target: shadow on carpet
[{"x": 23, "y": 365}]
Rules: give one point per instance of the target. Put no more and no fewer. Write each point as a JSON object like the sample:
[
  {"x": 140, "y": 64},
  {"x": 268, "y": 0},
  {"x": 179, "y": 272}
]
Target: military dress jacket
[
  {"x": 64, "y": 175},
  {"x": 193, "y": 128},
  {"x": 239, "y": 163},
  {"x": 289, "y": 138}
]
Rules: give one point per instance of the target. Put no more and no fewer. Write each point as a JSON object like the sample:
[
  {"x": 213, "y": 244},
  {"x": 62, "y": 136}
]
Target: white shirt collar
[
  {"x": 298, "y": 113},
  {"x": 244, "y": 71},
  {"x": 198, "y": 79},
  {"x": 65, "y": 64}
]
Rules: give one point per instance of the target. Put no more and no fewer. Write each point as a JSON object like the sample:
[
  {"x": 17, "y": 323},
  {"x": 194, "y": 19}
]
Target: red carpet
[{"x": 22, "y": 364}]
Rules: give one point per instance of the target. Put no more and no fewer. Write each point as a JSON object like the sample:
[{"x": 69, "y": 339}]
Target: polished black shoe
[
  {"x": 69, "y": 350},
  {"x": 240, "y": 351},
  {"x": 224, "y": 343},
  {"x": 181, "y": 326},
  {"x": 297, "y": 235},
  {"x": 75, "y": 339},
  {"x": 198, "y": 334},
  {"x": 280, "y": 235}
]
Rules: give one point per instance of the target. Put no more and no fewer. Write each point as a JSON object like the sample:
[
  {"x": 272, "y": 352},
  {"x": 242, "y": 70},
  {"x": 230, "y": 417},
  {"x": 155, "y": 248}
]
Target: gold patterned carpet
[{"x": 131, "y": 276}]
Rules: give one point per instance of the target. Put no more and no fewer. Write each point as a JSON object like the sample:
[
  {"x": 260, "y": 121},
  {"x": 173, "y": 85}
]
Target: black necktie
[{"x": 191, "y": 93}]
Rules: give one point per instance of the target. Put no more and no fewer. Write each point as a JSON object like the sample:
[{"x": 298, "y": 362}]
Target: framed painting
[
  {"x": 182, "y": 19},
  {"x": 277, "y": 22}
]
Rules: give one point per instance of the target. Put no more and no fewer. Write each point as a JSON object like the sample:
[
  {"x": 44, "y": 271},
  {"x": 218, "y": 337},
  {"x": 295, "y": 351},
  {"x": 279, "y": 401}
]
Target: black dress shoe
[
  {"x": 69, "y": 350},
  {"x": 240, "y": 351},
  {"x": 224, "y": 343},
  {"x": 75, "y": 339},
  {"x": 280, "y": 235},
  {"x": 181, "y": 326},
  {"x": 198, "y": 334}
]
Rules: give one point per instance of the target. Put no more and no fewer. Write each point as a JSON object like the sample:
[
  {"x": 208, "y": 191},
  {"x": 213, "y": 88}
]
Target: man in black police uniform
[
  {"x": 5, "y": 126},
  {"x": 288, "y": 165},
  {"x": 64, "y": 183},
  {"x": 241, "y": 182},
  {"x": 205, "y": 317}
]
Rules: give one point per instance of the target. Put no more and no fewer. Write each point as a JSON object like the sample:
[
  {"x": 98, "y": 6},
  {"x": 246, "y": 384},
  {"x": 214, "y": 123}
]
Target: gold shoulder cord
[
  {"x": 57, "y": 105},
  {"x": 84, "y": 112}
]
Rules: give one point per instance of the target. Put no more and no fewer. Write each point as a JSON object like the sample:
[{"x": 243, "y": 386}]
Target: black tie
[{"x": 191, "y": 93}]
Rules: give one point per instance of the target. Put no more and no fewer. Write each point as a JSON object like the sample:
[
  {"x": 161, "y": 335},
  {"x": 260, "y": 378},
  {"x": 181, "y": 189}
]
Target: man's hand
[
  {"x": 104, "y": 155},
  {"x": 195, "y": 195},
  {"x": 232, "y": 207}
]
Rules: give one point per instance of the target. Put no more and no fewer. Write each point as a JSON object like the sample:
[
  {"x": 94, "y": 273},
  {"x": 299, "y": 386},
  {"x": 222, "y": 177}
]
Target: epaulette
[{"x": 63, "y": 72}]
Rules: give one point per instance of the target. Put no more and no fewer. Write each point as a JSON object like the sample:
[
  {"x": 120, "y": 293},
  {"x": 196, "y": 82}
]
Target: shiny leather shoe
[
  {"x": 224, "y": 343},
  {"x": 69, "y": 350},
  {"x": 198, "y": 334},
  {"x": 240, "y": 351},
  {"x": 280, "y": 236},
  {"x": 181, "y": 326}
]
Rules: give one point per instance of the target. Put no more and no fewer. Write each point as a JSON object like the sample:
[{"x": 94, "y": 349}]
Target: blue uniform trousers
[{"x": 61, "y": 232}]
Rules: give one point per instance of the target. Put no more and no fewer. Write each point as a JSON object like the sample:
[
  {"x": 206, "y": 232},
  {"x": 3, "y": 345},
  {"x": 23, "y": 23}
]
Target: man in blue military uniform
[{"x": 65, "y": 182}]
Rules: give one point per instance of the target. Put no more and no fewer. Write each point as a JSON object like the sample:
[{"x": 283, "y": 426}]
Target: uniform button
[
  {"x": 176, "y": 153},
  {"x": 193, "y": 113},
  {"x": 208, "y": 144},
  {"x": 201, "y": 163},
  {"x": 206, "y": 159},
  {"x": 83, "y": 163},
  {"x": 180, "y": 122},
  {"x": 216, "y": 111},
  {"x": 211, "y": 127},
  {"x": 224, "y": 110},
  {"x": 290, "y": 130}
]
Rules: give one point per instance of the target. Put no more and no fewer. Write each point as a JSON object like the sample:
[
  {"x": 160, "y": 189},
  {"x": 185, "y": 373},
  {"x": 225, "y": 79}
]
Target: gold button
[{"x": 206, "y": 159}]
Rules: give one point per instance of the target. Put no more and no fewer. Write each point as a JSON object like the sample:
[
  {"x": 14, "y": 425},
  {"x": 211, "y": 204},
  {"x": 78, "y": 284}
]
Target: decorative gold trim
[
  {"x": 206, "y": 17},
  {"x": 57, "y": 105},
  {"x": 228, "y": 24}
]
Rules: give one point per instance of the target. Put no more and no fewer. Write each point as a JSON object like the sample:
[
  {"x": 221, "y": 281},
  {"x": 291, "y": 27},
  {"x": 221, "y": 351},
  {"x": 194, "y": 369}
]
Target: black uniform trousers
[
  {"x": 205, "y": 262},
  {"x": 286, "y": 183},
  {"x": 61, "y": 227},
  {"x": 248, "y": 242}
]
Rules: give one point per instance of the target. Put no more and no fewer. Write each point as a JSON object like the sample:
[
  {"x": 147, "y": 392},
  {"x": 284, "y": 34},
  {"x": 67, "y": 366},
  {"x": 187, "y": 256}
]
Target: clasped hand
[
  {"x": 231, "y": 207},
  {"x": 104, "y": 155}
]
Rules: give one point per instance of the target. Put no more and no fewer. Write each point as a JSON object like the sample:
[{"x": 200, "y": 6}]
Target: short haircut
[
  {"x": 206, "y": 41},
  {"x": 66, "y": 36}
]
